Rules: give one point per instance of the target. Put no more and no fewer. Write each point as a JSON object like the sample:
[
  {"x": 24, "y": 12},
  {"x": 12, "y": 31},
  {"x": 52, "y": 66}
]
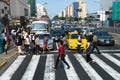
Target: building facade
[
  {"x": 40, "y": 10},
  {"x": 19, "y": 8},
  {"x": 32, "y": 7},
  {"x": 69, "y": 11},
  {"x": 4, "y": 7},
  {"x": 79, "y": 9}
]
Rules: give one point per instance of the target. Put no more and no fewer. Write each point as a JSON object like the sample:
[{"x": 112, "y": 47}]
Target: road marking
[
  {"x": 10, "y": 71},
  {"x": 49, "y": 74},
  {"x": 30, "y": 71},
  {"x": 88, "y": 69},
  {"x": 117, "y": 54},
  {"x": 110, "y": 50},
  {"x": 114, "y": 60},
  {"x": 57, "y": 45},
  {"x": 8, "y": 57},
  {"x": 106, "y": 67},
  {"x": 71, "y": 73}
]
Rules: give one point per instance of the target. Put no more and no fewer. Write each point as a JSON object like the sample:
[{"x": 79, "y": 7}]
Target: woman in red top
[{"x": 61, "y": 55}]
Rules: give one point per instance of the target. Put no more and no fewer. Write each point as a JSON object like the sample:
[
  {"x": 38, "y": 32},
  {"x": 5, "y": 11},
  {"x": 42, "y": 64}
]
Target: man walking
[{"x": 95, "y": 40}]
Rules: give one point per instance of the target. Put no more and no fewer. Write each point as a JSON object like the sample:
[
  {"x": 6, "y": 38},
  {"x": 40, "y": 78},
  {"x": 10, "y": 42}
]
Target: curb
[
  {"x": 8, "y": 57},
  {"x": 2, "y": 64}
]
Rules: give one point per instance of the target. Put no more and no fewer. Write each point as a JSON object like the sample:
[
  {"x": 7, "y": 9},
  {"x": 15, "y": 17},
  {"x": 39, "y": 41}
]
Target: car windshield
[
  {"x": 76, "y": 29},
  {"x": 41, "y": 36},
  {"x": 103, "y": 33},
  {"x": 56, "y": 31},
  {"x": 73, "y": 36},
  {"x": 38, "y": 26}
]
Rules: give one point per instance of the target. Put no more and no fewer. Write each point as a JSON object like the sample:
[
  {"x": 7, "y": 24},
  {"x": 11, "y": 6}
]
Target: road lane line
[
  {"x": 106, "y": 67},
  {"x": 7, "y": 75},
  {"x": 49, "y": 74},
  {"x": 30, "y": 71},
  {"x": 114, "y": 60},
  {"x": 88, "y": 69},
  {"x": 71, "y": 73}
]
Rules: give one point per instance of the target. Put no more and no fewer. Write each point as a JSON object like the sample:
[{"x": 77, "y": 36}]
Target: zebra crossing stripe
[
  {"x": 114, "y": 60},
  {"x": 71, "y": 73},
  {"x": 7, "y": 75},
  {"x": 106, "y": 67},
  {"x": 49, "y": 74},
  {"x": 117, "y": 54},
  {"x": 90, "y": 71},
  {"x": 29, "y": 73}
]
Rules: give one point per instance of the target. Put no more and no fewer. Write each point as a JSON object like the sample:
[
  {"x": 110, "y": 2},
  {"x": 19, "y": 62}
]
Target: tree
[
  {"x": 44, "y": 16},
  {"x": 56, "y": 17}
]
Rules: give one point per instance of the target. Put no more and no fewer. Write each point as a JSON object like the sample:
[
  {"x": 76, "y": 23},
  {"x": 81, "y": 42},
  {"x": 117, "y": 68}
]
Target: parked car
[
  {"x": 57, "y": 34},
  {"x": 72, "y": 41},
  {"x": 50, "y": 40},
  {"x": 104, "y": 38}
]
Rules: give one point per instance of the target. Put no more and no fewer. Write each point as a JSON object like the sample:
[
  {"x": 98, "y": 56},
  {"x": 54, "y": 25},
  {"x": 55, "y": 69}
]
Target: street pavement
[{"x": 40, "y": 67}]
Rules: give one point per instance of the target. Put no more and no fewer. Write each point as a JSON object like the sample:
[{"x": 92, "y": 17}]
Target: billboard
[{"x": 116, "y": 11}]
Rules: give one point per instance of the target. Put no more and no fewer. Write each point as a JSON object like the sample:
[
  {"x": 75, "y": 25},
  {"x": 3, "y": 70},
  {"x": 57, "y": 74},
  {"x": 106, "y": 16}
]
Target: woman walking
[
  {"x": 61, "y": 55},
  {"x": 88, "y": 51}
]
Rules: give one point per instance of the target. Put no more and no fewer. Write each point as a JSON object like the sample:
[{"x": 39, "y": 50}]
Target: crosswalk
[{"x": 40, "y": 67}]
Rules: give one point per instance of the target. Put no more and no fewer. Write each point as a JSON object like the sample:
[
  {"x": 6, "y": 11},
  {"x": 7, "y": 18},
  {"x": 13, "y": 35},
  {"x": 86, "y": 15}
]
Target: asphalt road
[{"x": 39, "y": 67}]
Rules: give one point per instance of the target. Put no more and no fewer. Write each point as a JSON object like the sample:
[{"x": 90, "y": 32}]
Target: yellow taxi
[{"x": 72, "y": 41}]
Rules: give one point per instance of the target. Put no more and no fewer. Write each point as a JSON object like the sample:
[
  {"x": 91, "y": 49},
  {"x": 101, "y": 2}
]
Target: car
[
  {"x": 39, "y": 26},
  {"x": 57, "y": 34},
  {"x": 76, "y": 29},
  {"x": 104, "y": 38},
  {"x": 72, "y": 41},
  {"x": 50, "y": 40}
]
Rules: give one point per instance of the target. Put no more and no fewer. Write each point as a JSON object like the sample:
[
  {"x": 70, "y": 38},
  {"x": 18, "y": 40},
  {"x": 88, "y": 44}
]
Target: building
[
  {"x": 62, "y": 13},
  {"x": 40, "y": 10},
  {"x": 105, "y": 5},
  {"x": 69, "y": 11},
  {"x": 19, "y": 8},
  {"x": 79, "y": 9},
  {"x": 4, "y": 7},
  {"x": 32, "y": 7}
]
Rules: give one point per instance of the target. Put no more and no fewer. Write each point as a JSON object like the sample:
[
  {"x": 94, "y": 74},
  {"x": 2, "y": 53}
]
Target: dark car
[
  {"x": 76, "y": 29},
  {"x": 57, "y": 34},
  {"x": 104, "y": 38}
]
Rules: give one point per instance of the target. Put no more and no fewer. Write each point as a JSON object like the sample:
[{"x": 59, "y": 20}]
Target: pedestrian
[
  {"x": 79, "y": 43},
  {"x": 37, "y": 44},
  {"x": 27, "y": 45},
  {"x": 45, "y": 44},
  {"x": 88, "y": 51},
  {"x": 61, "y": 55},
  {"x": 33, "y": 42},
  {"x": 95, "y": 40},
  {"x": 19, "y": 44},
  {"x": 3, "y": 40}
]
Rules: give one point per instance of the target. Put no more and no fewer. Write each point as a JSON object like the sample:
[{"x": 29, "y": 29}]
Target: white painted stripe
[
  {"x": 117, "y": 54},
  {"x": 110, "y": 50},
  {"x": 114, "y": 60},
  {"x": 57, "y": 45},
  {"x": 30, "y": 71},
  {"x": 71, "y": 73},
  {"x": 7, "y": 75},
  {"x": 106, "y": 67},
  {"x": 89, "y": 70},
  {"x": 49, "y": 74}
]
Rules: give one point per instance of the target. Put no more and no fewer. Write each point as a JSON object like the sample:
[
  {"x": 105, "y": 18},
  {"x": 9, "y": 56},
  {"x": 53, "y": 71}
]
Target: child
[{"x": 61, "y": 55}]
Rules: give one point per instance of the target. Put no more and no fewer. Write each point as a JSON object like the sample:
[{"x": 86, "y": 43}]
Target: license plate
[{"x": 107, "y": 41}]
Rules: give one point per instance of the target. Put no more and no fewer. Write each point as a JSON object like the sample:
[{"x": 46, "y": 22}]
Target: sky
[{"x": 56, "y": 6}]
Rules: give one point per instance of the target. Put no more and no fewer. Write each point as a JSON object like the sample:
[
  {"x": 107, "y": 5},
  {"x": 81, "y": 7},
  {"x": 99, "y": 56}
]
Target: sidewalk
[{"x": 4, "y": 58}]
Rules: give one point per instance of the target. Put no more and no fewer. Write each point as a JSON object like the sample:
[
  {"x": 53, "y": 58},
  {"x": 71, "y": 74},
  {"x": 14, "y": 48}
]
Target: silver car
[{"x": 50, "y": 40}]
